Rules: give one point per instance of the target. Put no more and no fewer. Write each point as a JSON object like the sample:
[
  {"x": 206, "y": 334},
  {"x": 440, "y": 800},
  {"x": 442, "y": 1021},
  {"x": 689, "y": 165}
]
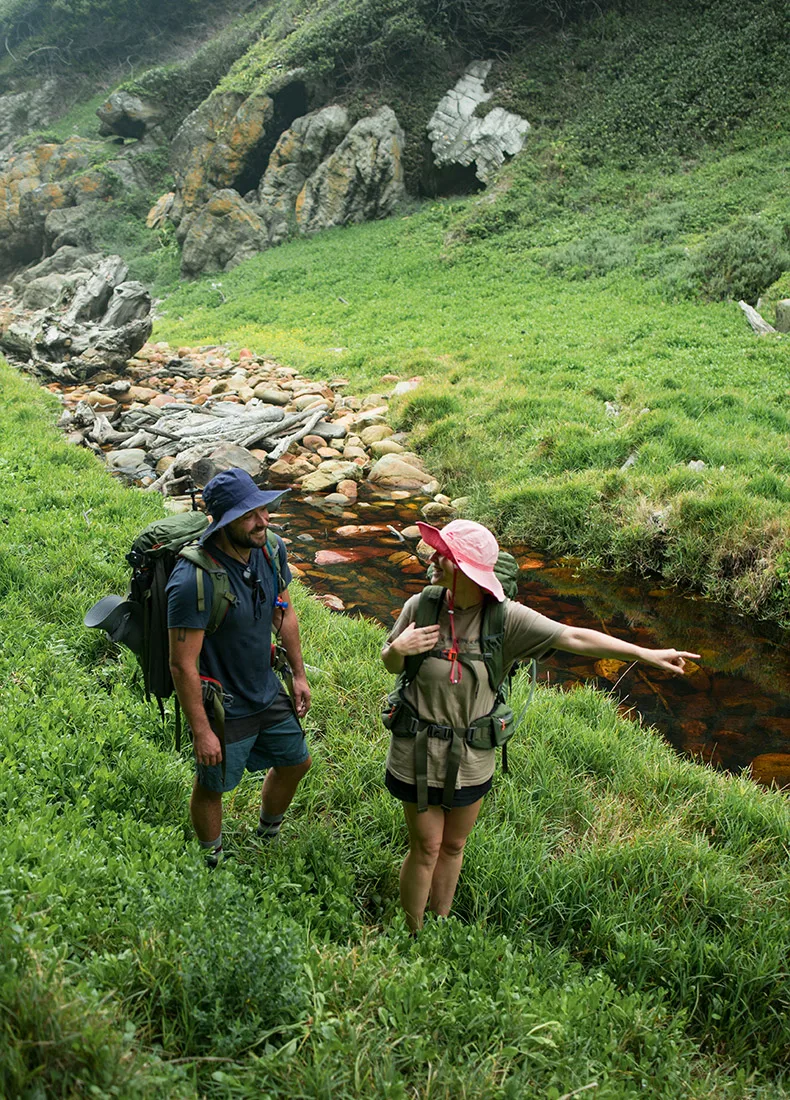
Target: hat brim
[
  {"x": 433, "y": 536},
  {"x": 259, "y": 499},
  {"x": 480, "y": 574},
  {"x": 120, "y": 619}
]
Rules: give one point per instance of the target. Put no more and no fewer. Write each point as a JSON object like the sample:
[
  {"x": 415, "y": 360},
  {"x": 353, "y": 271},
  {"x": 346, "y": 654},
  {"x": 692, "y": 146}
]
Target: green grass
[{"x": 622, "y": 917}]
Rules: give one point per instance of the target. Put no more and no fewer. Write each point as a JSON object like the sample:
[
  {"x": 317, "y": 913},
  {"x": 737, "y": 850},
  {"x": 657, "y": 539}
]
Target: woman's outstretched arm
[{"x": 593, "y": 643}]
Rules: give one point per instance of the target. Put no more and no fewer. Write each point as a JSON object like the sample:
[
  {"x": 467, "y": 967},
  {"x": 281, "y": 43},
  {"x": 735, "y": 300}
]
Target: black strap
[
  {"x": 453, "y": 762},
  {"x": 421, "y": 769}
]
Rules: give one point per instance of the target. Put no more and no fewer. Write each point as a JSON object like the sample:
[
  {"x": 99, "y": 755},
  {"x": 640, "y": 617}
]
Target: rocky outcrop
[
  {"x": 24, "y": 112},
  {"x": 215, "y": 145},
  {"x": 129, "y": 116},
  {"x": 360, "y": 181},
  {"x": 296, "y": 156},
  {"x": 223, "y": 233},
  {"x": 37, "y": 182},
  {"x": 459, "y": 137}
]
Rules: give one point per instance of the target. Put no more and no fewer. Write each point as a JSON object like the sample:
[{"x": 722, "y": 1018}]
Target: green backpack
[
  {"x": 140, "y": 621},
  {"x": 492, "y": 729}
]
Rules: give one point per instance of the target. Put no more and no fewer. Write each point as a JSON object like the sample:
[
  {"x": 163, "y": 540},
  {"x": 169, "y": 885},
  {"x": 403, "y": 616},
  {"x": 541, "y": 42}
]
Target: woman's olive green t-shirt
[{"x": 527, "y": 634}]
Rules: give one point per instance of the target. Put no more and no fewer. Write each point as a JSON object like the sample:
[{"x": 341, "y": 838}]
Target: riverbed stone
[
  {"x": 391, "y": 472},
  {"x": 329, "y": 474},
  {"x": 375, "y": 433},
  {"x": 271, "y": 396},
  {"x": 435, "y": 512},
  {"x": 385, "y": 447},
  {"x": 348, "y": 488}
]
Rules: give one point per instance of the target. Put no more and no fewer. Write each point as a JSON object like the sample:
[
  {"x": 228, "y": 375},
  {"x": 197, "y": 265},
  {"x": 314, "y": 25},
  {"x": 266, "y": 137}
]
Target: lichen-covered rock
[
  {"x": 360, "y": 181},
  {"x": 34, "y": 183},
  {"x": 160, "y": 211},
  {"x": 458, "y": 136},
  {"x": 221, "y": 234},
  {"x": 297, "y": 154},
  {"x": 129, "y": 116},
  {"x": 216, "y": 145}
]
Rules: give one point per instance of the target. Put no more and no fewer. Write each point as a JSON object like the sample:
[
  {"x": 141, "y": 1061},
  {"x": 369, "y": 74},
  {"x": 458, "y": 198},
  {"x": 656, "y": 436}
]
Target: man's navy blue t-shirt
[{"x": 238, "y": 653}]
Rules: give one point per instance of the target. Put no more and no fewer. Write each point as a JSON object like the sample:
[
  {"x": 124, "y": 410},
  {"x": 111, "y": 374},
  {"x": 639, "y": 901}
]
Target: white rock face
[{"x": 457, "y": 136}]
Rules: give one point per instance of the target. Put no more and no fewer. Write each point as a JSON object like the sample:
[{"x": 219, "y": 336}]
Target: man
[{"x": 261, "y": 728}]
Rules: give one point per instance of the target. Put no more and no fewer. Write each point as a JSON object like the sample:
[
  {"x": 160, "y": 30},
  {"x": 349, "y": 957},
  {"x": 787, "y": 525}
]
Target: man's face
[{"x": 249, "y": 530}]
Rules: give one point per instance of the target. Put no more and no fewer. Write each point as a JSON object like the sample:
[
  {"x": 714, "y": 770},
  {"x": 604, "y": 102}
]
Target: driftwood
[
  {"x": 282, "y": 447},
  {"x": 761, "y": 327}
]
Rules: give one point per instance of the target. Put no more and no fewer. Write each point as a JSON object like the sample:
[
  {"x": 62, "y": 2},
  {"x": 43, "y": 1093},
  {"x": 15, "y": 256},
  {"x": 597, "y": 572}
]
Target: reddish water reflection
[{"x": 731, "y": 711}]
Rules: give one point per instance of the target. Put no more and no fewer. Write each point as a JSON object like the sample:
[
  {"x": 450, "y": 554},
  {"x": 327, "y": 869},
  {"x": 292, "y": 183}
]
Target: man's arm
[
  {"x": 185, "y": 647},
  {"x": 289, "y": 632},
  {"x": 593, "y": 643}
]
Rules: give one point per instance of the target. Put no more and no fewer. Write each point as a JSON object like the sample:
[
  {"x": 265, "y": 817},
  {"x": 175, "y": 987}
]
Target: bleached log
[
  {"x": 283, "y": 446},
  {"x": 761, "y": 327}
]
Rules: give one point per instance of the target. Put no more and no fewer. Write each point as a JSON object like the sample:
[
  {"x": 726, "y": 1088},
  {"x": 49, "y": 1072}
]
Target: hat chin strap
[{"x": 456, "y": 671}]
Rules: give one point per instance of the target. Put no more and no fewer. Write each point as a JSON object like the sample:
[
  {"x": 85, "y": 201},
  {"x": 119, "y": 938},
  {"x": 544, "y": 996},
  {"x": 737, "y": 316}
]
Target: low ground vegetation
[{"x": 622, "y": 918}]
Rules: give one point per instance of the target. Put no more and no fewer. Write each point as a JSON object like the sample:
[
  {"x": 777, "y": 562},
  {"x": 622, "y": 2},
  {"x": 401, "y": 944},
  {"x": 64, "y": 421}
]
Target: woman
[{"x": 450, "y": 691}]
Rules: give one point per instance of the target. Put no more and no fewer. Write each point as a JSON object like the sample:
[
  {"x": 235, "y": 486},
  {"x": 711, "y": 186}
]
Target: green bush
[
  {"x": 205, "y": 978},
  {"x": 597, "y": 254},
  {"x": 741, "y": 260}
]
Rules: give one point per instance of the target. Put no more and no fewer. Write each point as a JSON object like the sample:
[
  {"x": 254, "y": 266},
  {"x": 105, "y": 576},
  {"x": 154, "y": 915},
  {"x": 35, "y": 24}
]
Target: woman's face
[{"x": 444, "y": 569}]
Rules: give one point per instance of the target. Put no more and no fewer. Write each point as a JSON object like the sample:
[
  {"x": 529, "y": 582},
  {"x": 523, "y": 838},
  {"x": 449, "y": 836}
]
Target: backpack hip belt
[{"x": 486, "y": 732}]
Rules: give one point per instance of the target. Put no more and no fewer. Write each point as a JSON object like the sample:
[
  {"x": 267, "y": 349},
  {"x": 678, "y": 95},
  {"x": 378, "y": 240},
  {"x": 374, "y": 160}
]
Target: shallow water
[{"x": 730, "y": 711}]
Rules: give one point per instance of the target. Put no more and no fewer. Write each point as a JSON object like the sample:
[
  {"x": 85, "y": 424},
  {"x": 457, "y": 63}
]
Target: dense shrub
[
  {"x": 741, "y": 260},
  {"x": 597, "y": 254}
]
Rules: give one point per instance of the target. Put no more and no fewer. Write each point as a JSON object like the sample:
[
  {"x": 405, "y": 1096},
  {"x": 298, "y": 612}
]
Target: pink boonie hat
[{"x": 471, "y": 547}]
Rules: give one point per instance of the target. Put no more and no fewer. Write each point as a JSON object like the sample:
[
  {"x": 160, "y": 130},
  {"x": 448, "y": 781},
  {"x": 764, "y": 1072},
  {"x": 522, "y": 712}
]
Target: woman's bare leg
[
  {"x": 458, "y": 825},
  {"x": 425, "y": 842}
]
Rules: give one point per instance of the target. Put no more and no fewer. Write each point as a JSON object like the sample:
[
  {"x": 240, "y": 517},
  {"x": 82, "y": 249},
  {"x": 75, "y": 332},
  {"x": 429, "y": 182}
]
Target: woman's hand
[
  {"x": 416, "y": 639},
  {"x": 670, "y": 660}
]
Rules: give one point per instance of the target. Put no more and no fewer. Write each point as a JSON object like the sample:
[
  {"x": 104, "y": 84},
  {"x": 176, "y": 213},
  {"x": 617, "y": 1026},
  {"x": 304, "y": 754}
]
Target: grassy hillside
[{"x": 622, "y": 918}]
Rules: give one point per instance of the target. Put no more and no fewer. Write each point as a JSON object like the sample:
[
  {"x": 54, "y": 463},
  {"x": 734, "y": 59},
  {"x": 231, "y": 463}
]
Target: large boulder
[
  {"x": 361, "y": 180},
  {"x": 66, "y": 259},
  {"x": 34, "y": 183},
  {"x": 91, "y": 300},
  {"x": 217, "y": 145},
  {"x": 128, "y": 115},
  {"x": 222, "y": 234},
  {"x": 297, "y": 154},
  {"x": 71, "y": 226},
  {"x": 48, "y": 290},
  {"x": 459, "y": 137}
]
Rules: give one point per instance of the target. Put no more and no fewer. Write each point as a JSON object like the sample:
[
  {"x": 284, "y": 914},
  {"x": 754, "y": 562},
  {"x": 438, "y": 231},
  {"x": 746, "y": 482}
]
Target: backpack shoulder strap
[
  {"x": 428, "y": 610},
  {"x": 492, "y": 637},
  {"x": 222, "y": 598},
  {"x": 271, "y": 551}
]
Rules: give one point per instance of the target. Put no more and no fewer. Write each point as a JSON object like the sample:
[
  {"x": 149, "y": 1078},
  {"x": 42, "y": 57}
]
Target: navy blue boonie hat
[{"x": 231, "y": 494}]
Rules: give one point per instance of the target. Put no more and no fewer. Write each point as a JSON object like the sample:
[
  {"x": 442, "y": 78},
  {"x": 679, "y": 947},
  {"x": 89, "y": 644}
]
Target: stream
[{"x": 730, "y": 711}]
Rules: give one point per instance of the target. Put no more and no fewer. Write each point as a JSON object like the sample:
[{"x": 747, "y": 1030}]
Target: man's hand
[
  {"x": 416, "y": 639},
  {"x": 207, "y": 748},
  {"x": 301, "y": 696}
]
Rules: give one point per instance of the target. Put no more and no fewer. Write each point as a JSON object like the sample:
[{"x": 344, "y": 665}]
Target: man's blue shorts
[{"x": 272, "y": 738}]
